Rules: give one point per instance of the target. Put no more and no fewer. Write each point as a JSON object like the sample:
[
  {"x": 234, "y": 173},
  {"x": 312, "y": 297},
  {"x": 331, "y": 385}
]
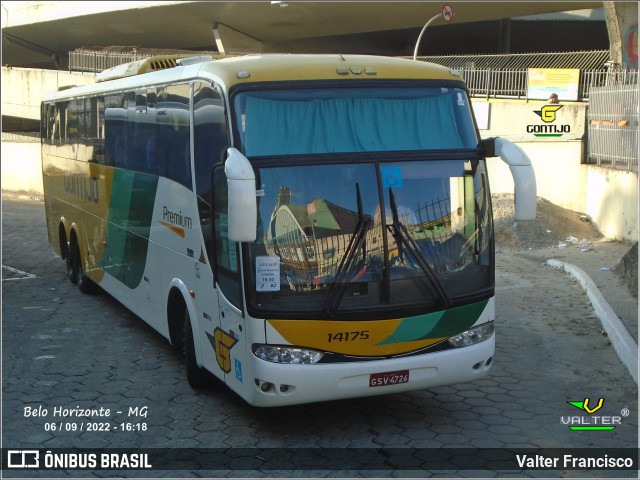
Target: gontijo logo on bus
[
  {"x": 222, "y": 343},
  {"x": 549, "y": 129}
]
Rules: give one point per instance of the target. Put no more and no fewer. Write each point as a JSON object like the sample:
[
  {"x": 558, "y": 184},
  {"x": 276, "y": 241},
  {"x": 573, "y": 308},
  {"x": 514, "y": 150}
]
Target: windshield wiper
[
  {"x": 404, "y": 239},
  {"x": 347, "y": 265}
]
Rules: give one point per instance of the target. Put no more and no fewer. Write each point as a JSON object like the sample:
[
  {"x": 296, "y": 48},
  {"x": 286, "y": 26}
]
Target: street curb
[{"x": 622, "y": 341}]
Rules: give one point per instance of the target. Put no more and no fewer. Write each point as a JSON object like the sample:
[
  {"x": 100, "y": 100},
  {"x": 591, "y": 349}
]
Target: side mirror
[{"x": 243, "y": 208}]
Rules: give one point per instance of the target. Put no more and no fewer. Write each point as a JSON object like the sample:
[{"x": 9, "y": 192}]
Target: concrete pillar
[
  {"x": 231, "y": 41},
  {"x": 622, "y": 25},
  {"x": 505, "y": 35}
]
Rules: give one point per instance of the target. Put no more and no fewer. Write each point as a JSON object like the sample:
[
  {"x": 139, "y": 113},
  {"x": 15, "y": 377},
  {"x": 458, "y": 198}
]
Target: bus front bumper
[{"x": 286, "y": 384}]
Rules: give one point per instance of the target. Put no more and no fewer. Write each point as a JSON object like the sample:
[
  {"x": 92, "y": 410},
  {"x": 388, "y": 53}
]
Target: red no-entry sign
[{"x": 447, "y": 12}]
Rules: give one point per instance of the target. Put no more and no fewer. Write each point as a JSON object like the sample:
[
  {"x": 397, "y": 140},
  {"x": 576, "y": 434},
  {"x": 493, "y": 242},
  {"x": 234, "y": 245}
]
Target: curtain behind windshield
[{"x": 275, "y": 126}]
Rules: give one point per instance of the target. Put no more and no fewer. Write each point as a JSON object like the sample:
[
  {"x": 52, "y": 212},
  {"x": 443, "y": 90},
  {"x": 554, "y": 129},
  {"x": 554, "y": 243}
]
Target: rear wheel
[
  {"x": 197, "y": 377},
  {"x": 84, "y": 283},
  {"x": 71, "y": 271},
  {"x": 65, "y": 252}
]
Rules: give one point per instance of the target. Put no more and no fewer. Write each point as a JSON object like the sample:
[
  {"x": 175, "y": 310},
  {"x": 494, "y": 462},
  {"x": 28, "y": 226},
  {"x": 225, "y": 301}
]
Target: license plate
[{"x": 388, "y": 378}]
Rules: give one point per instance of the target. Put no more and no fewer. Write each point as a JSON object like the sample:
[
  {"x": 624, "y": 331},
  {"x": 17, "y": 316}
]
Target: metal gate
[{"x": 613, "y": 127}]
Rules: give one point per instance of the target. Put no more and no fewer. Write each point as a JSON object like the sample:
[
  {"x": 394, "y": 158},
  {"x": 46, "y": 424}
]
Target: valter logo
[
  {"x": 549, "y": 129},
  {"x": 591, "y": 422}
]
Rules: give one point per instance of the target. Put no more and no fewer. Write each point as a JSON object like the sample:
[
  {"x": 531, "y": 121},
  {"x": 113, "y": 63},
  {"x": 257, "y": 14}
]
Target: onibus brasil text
[{"x": 95, "y": 460}]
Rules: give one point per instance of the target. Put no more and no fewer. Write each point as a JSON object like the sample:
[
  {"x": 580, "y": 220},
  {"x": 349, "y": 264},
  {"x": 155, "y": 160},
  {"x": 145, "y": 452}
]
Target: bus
[{"x": 302, "y": 228}]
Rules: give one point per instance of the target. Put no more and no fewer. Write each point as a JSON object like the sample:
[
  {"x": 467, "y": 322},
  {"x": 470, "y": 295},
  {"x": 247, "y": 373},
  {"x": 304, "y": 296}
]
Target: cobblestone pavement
[{"x": 63, "y": 349}]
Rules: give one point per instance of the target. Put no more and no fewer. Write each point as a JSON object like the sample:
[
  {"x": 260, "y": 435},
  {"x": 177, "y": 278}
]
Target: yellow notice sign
[{"x": 542, "y": 82}]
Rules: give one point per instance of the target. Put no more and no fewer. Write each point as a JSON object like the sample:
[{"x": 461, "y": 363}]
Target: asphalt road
[{"x": 62, "y": 350}]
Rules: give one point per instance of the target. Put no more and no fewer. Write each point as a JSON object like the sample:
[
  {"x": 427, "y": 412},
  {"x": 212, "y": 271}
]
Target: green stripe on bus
[
  {"x": 130, "y": 213},
  {"x": 458, "y": 319},
  {"x": 436, "y": 325}
]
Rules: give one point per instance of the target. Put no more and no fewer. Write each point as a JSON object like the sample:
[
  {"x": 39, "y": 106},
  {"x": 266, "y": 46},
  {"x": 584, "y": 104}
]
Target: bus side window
[
  {"x": 96, "y": 130},
  {"x": 180, "y": 165},
  {"x": 150, "y": 155},
  {"x": 133, "y": 135},
  {"x": 75, "y": 120},
  {"x": 51, "y": 124},
  {"x": 61, "y": 123},
  {"x": 173, "y": 130},
  {"x": 210, "y": 141},
  {"x": 227, "y": 266},
  {"x": 141, "y": 135},
  {"x": 120, "y": 155},
  {"x": 115, "y": 129}
]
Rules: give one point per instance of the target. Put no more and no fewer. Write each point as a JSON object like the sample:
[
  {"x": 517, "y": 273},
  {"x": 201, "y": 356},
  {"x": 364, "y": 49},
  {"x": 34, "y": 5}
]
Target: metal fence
[
  {"x": 20, "y": 137},
  {"x": 489, "y": 81},
  {"x": 613, "y": 127},
  {"x": 83, "y": 60},
  {"x": 512, "y": 83}
]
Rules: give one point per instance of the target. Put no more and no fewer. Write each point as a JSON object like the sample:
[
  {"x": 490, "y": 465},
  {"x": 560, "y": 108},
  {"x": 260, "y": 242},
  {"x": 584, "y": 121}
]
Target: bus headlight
[
  {"x": 285, "y": 354},
  {"x": 474, "y": 335}
]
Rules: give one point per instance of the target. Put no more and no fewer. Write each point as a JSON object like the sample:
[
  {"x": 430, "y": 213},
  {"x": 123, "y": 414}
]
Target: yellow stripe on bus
[{"x": 349, "y": 337}]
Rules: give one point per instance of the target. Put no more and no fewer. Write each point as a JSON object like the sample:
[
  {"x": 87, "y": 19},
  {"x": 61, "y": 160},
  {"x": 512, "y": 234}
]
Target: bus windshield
[
  {"x": 348, "y": 120},
  {"x": 336, "y": 239}
]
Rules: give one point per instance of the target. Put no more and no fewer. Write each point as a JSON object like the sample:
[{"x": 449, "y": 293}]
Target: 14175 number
[{"x": 348, "y": 336}]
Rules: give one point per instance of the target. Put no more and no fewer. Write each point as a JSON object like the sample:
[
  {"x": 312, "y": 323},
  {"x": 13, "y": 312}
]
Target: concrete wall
[
  {"x": 28, "y": 85},
  {"x": 21, "y": 165},
  {"x": 557, "y": 161},
  {"x": 609, "y": 197},
  {"x": 612, "y": 202},
  {"x": 23, "y": 89},
  {"x": 560, "y": 178}
]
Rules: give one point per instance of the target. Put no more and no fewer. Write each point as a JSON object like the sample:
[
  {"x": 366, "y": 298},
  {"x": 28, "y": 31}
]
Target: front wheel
[{"x": 197, "y": 377}]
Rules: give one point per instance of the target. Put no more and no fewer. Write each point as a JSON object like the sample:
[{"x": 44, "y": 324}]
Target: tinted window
[
  {"x": 210, "y": 142},
  {"x": 173, "y": 147},
  {"x": 115, "y": 119}
]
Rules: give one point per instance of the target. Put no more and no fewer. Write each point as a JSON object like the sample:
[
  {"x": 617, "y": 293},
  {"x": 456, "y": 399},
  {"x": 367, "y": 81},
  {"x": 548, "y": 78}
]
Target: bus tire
[
  {"x": 84, "y": 283},
  {"x": 71, "y": 271},
  {"x": 65, "y": 252},
  {"x": 197, "y": 377}
]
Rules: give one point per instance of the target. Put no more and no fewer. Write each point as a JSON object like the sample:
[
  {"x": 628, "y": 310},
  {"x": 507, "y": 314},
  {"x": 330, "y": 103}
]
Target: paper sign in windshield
[{"x": 267, "y": 274}]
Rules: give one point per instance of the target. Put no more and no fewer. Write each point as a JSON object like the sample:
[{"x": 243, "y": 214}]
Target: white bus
[{"x": 303, "y": 227}]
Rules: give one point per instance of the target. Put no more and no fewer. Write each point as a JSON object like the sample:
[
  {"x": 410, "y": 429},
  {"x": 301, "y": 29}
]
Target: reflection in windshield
[{"x": 397, "y": 234}]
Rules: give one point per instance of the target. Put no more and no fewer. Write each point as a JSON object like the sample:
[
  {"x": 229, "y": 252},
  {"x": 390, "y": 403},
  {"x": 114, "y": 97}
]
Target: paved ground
[
  {"x": 68, "y": 350},
  {"x": 598, "y": 261}
]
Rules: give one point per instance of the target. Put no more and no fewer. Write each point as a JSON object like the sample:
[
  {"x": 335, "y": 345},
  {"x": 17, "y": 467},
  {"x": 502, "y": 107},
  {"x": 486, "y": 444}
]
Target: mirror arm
[{"x": 524, "y": 177}]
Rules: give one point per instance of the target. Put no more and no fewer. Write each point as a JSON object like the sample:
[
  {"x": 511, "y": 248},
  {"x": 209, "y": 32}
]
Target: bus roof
[
  {"x": 261, "y": 68},
  {"x": 283, "y": 67}
]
